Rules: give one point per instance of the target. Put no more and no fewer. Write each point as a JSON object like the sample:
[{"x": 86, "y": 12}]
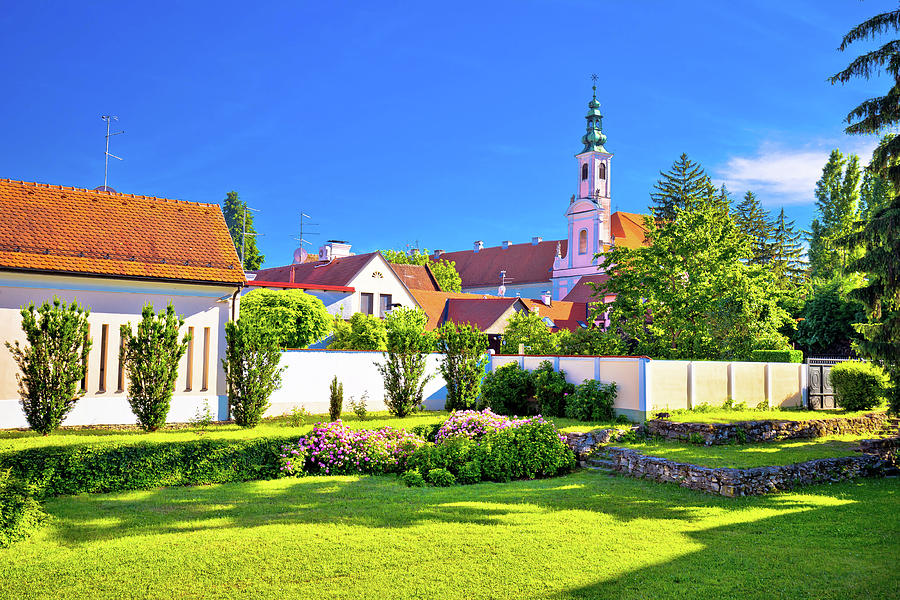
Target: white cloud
[{"x": 780, "y": 175}]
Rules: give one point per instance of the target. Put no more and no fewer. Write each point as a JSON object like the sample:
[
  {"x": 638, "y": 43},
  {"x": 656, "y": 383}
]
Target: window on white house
[
  {"x": 582, "y": 241},
  {"x": 385, "y": 300},
  {"x": 104, "y": 343},
  {"x": 189, "y": 376},
  {"x": 367, "y": 303},
  {"x": 584, "y": 172},
  {"x": 601, "y": 172}
]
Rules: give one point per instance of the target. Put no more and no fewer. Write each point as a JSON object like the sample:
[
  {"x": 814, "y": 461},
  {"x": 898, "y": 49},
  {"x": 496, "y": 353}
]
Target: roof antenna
[
  {"x": 108, "y": 119},
  {"x": 244, "y": 235},
  {"x": 301, "y": 252}
]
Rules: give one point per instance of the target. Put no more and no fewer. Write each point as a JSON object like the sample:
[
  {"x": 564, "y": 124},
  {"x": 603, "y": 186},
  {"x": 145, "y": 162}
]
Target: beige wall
[
  {"x": 669, "y": 384},
  {"x": 749, "y": 383},
  {"x": 786, "y": 384},
  {"x": 710, "y": 383},
  {"x": 112, "y": 303}
]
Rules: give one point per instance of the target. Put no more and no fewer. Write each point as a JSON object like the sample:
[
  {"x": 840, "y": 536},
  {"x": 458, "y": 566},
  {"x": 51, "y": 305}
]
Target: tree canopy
[
  {"x": 684, "y": 183},
  {"x": 234, "y": 210},
  {"x": 444, "y": 270},
  {"x": 295, "y": 318}
]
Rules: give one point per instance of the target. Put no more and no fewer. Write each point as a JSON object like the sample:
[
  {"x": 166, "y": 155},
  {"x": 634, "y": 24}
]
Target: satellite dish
[
  {"x": 105, "y": 188},
  {"x": 300, "y": 255}
]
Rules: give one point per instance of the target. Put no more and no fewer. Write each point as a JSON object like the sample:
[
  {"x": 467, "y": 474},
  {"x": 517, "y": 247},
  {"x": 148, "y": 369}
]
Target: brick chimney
[
  {"x": 536, "y": 240},
  {"x": 479, "y": 245},
  {"x": 505, "y": 244}
]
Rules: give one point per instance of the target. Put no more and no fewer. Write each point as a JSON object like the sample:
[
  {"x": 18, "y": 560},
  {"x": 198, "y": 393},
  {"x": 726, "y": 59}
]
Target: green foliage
[
  {"x": 590, "y": 341},
  {"x": 404, "y": 363},
  {"x": 412, "y": 478},
  {"x": 252, "y": 356},
  {"x": 295, "y": 318},
  {"x": 463, "y": 347},
  {"x": 787, "y": 251},
  {"x": 113, "y": 467},
  {"x": 592, "y": 401},
  {"x": 444, "y": 271},
  {"x": 335, "y": 399},
  {"x": 428, "y": 431},
  {"x": 684, "y": 185},
  {"x": 858, "y": 385},
  {"x": 784, "y": 356},
  {"x": 151, "y": 356},
  {"x": 689, "y": 293},
  {"x": 359, "y": 407},
  {"x": 550, "y": 389},
  {"x": 53, "y": 363},
  {"x": 526, "y": 327},
  {"x": 837, "y": 205},
  {"x": 440, "y": 477},
  {"x": 234, "y": 210},
  {"x": 755, "y": 222},
  {"x": 828, "y": 317},
  {"x": 20, "y": 511},
  {"x": 364, "y": 332},
  {"x": 508, "y": 390}
]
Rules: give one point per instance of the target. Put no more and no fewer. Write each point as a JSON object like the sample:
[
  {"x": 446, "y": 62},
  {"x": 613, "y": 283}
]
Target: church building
[{"x": 559, "y": 268}]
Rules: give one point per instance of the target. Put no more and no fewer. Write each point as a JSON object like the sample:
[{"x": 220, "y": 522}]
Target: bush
[
  {"x": 474, "y": 425},
  {"x": 53, "y": 363},
  {"x": 469, "y": 473},
  {"x": 404, "y": 367},
  {"x": 251, "y": 369},
  {"x": 592, "y": 401},
  {"x": 785, "y": 356},
  {"x": 527, "y": 328},
  {"x": 151, "y": 357},
  {"x": 449, "y": 454},
  {"x": 427, "y": 432},
  {"x": 295, "y": 319},
  {"x": 335, "y": 449},
  {"x": 463, "y": 347},
  {"x": 20, "y": 512},
  {"x": 412, "y": 479},
  {"x": 550, "y": 389},
  {"x": 66, "y": 470},
  {"x": 858, "y": 385},
  {"x": 364, "y": 332},
  {"x": 335, "y": 399},
  {"x": 440, "y": 477},
  {"x": 359, "y": 407},
  {"x": 508, "y": 390},
  {"x": 292, "y": 460}
]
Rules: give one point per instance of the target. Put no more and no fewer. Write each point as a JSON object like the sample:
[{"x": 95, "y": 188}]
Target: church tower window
[
  {"x": 602, "y": 171},
  {"x": 584, "y": 172},
  {"x": 582, "y": 241}
]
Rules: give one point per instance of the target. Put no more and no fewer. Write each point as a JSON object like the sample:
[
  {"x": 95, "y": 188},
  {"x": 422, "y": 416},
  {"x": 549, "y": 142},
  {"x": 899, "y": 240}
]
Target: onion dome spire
[{"x": 594, "y": 139}]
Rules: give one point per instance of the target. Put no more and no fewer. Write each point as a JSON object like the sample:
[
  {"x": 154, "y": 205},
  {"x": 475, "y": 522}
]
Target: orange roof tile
[
  {"x": 417, "y": 277},
  {"x": 628, "y": 229},
  {"x": 435, "y": 303},
  {"x": 565, "y": 315},
  {"x": 73, "y": 230}
]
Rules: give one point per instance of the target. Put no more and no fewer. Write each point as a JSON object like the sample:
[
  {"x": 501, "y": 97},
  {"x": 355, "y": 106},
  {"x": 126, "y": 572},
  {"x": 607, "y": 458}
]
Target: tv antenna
[
  {"x": 109, "y": 119},
  {"x": 304, "y": 223},
  {"x": 244, "y": 234}
]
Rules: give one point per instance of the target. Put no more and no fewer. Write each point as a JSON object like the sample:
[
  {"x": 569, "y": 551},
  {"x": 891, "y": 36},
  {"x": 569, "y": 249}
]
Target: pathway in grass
[
  {"x": 742, "y": 456},
  {"x": 733, "y": 416},
  {"x": 581, "y": 536}
]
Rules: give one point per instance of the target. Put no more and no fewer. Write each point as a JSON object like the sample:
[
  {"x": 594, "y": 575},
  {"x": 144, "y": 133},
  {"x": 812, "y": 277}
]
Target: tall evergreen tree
[
  {"x": 875, "y": 192},
  {"x": 684, "y": 184},
  {"x": 234, "y": 210},
  {"x": 837, "y": 203},
  {"x": 880, "y": 234},
  {"x": 787, "y": 251},
  {"x": 755, "y": 222}
]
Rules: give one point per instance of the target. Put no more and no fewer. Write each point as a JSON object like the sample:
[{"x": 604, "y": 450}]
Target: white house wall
[
  {"x": 377, "y": 278},
  {"x": 114, "y": 302}
]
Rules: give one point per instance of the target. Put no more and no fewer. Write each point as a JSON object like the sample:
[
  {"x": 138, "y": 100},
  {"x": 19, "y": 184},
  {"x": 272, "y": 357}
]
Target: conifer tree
[
  {"x": 837, "y": 203},
  {"x": 234, "y": 209},
  {"x": 787, "y": 251},
  {"x": 880, "y": 234},
  {"x": 755, "y": 223},
  {"x": 875, "y": 192},
  {"x": 684, "y": 184}
]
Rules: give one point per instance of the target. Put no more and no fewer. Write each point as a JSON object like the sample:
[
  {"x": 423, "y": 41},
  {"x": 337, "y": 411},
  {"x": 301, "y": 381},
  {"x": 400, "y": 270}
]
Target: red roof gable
[
  {"x": 582, "y": 292},
  {"x": 337, "y": 272},
  {"x": 564, "y": 314},
  {"x": 78, "y": 231},
  {"x": 480, "y": 312}
]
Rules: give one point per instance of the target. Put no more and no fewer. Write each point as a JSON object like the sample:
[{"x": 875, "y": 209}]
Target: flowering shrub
[
  {"x": 335, "y": 449},
  {"x": 474, "y": 424}
]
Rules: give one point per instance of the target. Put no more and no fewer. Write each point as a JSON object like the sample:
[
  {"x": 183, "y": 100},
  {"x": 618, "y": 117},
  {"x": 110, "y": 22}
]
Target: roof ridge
[{"x": 106, "y": 192}]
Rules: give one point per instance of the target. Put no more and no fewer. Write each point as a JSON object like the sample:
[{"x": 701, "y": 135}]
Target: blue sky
[{"x": 439, "y": 123}]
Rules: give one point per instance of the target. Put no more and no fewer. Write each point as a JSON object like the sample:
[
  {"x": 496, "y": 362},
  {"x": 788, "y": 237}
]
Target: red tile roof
[
  {"x": 283, "y": 285},
  {"x": 523, "y": 263},
  {"x": 77, "y": 231},
  {"x": 564, "y": 314},
  {"x": 480, "y": 312},
  {"x": 417, "y": 277},
  {"x": 435, "y": 303},
  {"x": 582, "y": 292},
  {"x": 339, "y": 271},
  {"x": 628, "y": 229}
]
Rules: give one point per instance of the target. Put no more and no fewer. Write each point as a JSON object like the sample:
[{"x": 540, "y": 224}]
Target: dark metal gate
[{"x": 821, "y": 394}]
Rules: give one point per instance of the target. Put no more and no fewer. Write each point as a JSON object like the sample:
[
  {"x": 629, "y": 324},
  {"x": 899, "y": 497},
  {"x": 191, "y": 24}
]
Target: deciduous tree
[
  {"x": 295, "y": 318},
  {"x": 252, "y": 371}
]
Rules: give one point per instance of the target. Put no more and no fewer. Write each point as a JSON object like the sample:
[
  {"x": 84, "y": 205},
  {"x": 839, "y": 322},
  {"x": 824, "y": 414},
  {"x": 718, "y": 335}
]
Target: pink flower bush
[
  {"x": 335, "y": 449},
  {"x": 475, "y": 425}
]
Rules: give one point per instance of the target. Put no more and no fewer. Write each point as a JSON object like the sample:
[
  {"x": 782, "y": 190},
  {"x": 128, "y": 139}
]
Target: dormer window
[
  {"x": 601, "y": 172},
  {"x": 582, "y": 241},
  {"x": 584, "y": 172}
]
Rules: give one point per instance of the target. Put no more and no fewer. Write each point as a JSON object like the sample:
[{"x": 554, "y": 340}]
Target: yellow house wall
[{"x": 578, "y": 369}]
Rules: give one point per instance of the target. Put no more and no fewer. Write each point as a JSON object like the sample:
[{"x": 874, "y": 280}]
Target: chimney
[
  {"x": 505, "y": 244},
  {"x": 479, "y": 245},
  {"x": 547, "y": 298},
  {"x": 536, "y": 240},
  {"x": 437, "y": 254}
]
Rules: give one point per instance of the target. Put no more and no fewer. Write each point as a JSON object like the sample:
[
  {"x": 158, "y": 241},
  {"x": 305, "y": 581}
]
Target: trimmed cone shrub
[
  {"x": 335, "y": 399},
  {"x": 463, "y": 347},
  {"x": 252, "y": 372},
  {"x": 858, "y": 385},
  {"x": 53, "y": 363}
]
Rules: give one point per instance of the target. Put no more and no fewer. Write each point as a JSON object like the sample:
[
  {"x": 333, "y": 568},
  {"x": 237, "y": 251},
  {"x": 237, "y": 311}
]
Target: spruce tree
[
  {"x": 755, "y": 223},
  {"x": 683, "y": 185},
  {"x": 233, "y": 208},
  {"x": 787, "y": 251},
  {"x": 837, "y": 204},
  {"x": 875, "y": 192},
  {"x": 879, "y": 236}
]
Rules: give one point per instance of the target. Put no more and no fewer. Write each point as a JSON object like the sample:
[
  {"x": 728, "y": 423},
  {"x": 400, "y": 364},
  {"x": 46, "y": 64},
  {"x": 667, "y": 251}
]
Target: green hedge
[
  {"x": 60, "y": 470},
  {"x": 858, "y": 385},
  {"x": 786, "y": 356},
  {"x": 20, "y": 512}
]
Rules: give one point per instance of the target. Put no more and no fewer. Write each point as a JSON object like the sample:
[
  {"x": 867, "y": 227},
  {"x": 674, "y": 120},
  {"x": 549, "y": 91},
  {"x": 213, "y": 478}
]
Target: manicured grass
[
  {"x": 744, "y": 456},
  {"x": 12, "y": 440},
  {"x": 582, "y": 536},
  {"x": 734, "y": 416}
]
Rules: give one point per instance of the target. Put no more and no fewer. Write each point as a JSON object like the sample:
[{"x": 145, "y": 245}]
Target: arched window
[
  {"x": 584, "y": 171},
  {"x": 602, "y": 171},
  {"x": 582, "y": 241}
]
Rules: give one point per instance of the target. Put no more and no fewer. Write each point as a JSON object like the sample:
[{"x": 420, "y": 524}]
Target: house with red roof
[{"x": 113, "y": 253}]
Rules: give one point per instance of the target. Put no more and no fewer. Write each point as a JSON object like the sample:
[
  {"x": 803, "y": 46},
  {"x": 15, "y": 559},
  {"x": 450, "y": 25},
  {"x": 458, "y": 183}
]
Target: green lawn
[
  {"x": 582, "y": 536},
  {"x": 742, "y": 456},
  {"x": 11, "y": 440},
  {"x": 734, "y": 416}
]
